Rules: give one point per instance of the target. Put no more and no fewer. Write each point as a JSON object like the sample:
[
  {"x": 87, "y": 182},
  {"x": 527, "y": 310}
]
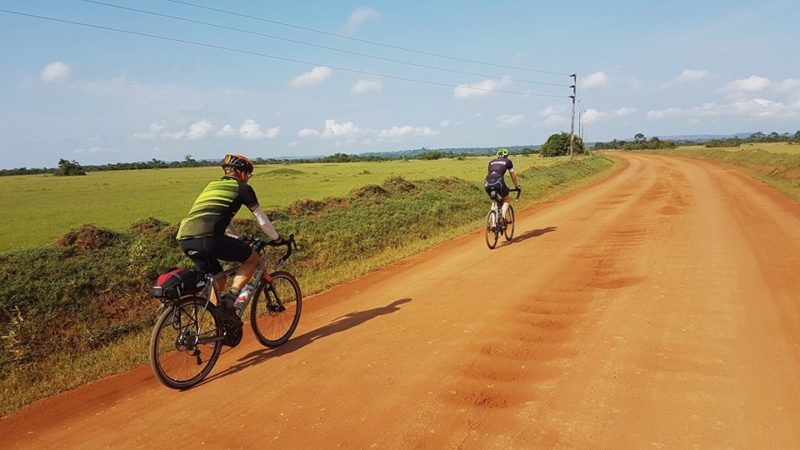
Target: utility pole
[{"x": 572, "y": 125}]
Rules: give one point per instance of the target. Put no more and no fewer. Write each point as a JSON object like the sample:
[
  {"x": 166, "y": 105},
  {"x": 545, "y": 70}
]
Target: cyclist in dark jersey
[
  {"x": 206, "y": 235},
  {"x": 495, "y": 180}
]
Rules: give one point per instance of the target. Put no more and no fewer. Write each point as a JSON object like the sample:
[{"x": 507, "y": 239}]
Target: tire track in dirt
[{"x": 655, "y": 309}]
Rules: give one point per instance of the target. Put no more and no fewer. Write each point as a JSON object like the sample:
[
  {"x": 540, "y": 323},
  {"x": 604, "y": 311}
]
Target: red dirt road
[{"x": 659, "y": 308}]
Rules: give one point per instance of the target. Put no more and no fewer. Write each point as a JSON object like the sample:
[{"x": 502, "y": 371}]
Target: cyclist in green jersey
[{"x": 206, "y": 234}]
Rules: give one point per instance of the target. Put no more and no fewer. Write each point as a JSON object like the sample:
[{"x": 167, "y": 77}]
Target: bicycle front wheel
[
  {"x": 491, "y": 229},
  {"x": 276, "y": 309},
  {"x": 509, "y": 231},
  {"x": 185, "y": 343}
]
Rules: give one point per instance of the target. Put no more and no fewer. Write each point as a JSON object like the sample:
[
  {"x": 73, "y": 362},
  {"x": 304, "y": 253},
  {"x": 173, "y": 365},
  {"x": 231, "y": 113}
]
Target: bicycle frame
[{"x": 497, "y": 203}]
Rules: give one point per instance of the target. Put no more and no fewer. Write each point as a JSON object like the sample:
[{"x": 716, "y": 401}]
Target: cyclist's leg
[
  {"x": 197, "y": 251},
  {"x": 504, "y": 192},
  {"x": 227, "y": 248}
]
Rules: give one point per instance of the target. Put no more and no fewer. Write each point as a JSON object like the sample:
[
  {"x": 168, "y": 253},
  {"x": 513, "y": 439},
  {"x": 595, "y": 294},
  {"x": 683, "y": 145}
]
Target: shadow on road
[
  {"x": 529, "y": 234},
  {"x": 339, "y": 324}
]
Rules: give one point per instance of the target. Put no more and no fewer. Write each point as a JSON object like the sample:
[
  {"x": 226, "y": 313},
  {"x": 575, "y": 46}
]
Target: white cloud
[
  {"x": 554, "y": 116},
  {"x": 293, "y": 144},
  {"x": 509, "y": 121},
  {"x": 357, "y": 19},
  {"x": 477, "y": 115},
  {"x": 406, "y": 130},
  {"x": 173, "y": 135},
  {"x": 334, "y": 129},
  {"x": 251, "y": 130},
  {"x": 689, "y": 75},
  {"x": 203, "y": 129},
  {"x": 625, "y": 111},
  {"x": 226, "y": 132},
  {"x": 635, "y": 82},
  {"x": 56, "y": 71},
  {"x": 592, "y": 115},
  {"x": 480, "y": 88},
  {"x": 749, "y": 84},
  {"x": 348, "y": 132},
  {"x": 153, "y": 131},
  {"x": 95, "y": 149},
  {"x": 444, "y": 124},
  {"x": 789, "y": 84},
  {"x": 200, "y": 130},
  {"x": 366, "y": 86},
  {"x": 754, "y": 109},
  {"x": 595, "y": 80},
  {"x": 315, "y": 76},
  {"x": 307, "y": 132}
]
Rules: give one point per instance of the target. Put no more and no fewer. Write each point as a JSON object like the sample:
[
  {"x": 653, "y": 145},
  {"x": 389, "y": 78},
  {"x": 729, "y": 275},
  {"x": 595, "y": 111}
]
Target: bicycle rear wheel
[
  {"x": 491, "y": 229},
  {"x": 276, "y": 309},
  {"x": 509, "y": 231},
  {"x": 185, "y": 343}
]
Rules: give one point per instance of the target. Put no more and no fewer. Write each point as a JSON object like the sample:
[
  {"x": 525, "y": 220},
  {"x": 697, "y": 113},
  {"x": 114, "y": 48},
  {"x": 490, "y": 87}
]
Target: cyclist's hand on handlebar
[{"x": 518, "y": 187}]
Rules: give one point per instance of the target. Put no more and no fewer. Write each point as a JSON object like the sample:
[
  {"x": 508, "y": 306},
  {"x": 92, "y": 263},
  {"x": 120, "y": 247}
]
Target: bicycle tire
[
  {"x": 491, "y": 229},
  {"x": 176, "y": 349},
  {"x": 276, "y": 309},
  {"x": 509, "y": 231}
]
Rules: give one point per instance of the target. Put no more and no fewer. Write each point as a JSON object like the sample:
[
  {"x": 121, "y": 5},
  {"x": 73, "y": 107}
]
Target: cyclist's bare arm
[
  {"x": 231, "y": 231},
  {"x": 264, "y": 223},
  {"x": 514, "y": 178}
]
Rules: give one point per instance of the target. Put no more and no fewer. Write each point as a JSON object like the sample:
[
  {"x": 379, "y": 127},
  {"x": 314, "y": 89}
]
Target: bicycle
[
  {"x": 190, "y": 330},
  {"x": 495, "y": 226}
]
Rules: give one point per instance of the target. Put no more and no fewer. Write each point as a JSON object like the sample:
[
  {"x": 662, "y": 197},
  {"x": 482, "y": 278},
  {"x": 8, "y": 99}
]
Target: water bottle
[{"x": 244, "y": 295}]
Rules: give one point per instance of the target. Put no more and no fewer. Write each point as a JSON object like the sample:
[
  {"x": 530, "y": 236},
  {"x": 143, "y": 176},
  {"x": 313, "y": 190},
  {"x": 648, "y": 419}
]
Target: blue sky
[{"x": 659, "y": 68}]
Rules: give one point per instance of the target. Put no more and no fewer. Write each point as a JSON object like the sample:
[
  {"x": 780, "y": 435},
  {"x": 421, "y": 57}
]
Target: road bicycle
[
  {"x": 496, "y": 225},
  {"x": 190, "y": 330}
]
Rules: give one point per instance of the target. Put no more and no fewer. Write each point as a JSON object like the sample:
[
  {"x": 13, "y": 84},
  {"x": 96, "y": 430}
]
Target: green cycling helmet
[{"x": 502, "y": 152}]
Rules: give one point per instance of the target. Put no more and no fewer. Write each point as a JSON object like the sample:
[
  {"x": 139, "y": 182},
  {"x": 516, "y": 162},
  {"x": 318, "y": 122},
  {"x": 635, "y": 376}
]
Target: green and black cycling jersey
[{"x": 214, "y": 209}]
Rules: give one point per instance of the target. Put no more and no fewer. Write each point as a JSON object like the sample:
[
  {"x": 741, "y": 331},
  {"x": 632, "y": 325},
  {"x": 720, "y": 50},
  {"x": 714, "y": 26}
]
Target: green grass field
[{"x": 41, "y": 208}]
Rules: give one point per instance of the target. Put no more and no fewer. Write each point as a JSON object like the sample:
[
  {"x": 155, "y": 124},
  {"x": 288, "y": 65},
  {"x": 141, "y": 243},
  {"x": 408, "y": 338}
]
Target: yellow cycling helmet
[{"x": 238, "y": 162}]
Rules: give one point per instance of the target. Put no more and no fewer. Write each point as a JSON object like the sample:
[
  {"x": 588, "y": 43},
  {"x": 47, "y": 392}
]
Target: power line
[
  {"x": 398, "y": 61},
  {"x": 365, "y": 41},
  {"x": 280, "y": 58}
]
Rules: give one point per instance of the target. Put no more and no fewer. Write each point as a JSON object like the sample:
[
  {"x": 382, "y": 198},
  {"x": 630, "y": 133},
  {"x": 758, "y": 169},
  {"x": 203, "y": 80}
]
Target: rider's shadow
[
  {"x": 339, "y": 324},
  {"x": 530, "y": 234}
]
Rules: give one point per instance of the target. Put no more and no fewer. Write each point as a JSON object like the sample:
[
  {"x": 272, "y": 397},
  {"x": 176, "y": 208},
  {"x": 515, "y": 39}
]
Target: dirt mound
[
  {"x": 148, "y": 225},
  {"x": 88, "y": 237},
  {"x": 368, "y": 191},
  {"x": 282, "y": 172},
  {"x": 399, "y": 184},
  {"x": 306, "y": 206}
]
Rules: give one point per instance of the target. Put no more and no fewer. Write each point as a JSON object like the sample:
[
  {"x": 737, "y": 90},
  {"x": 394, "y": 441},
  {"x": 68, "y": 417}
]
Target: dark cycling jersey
[
  {"x": 498, "y": 168},
  {"x": 215, "y": 207}
]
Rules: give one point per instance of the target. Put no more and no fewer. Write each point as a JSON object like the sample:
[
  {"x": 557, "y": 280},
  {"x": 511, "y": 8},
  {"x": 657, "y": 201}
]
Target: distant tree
[
  {"x": 69, "y": 168},
  {"x": 558, "y": 145},
  {"x": 639, "y": 137},
  {"x": 757, "y": 136}
]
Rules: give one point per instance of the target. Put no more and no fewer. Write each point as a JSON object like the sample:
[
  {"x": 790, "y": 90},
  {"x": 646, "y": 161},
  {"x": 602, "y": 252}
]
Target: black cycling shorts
[
  {"x": 496, "y": 185},
  {"x": 206, "y": 251}
]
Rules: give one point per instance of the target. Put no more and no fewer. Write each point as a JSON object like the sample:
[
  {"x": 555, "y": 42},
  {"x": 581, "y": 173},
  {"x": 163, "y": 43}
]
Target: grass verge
[{"x": 77, "y": 311}]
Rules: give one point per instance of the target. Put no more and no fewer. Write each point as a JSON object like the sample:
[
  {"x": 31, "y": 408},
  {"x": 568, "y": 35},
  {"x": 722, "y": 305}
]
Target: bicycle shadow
[
  {"x": 528, "y": 235},
  {"x": 342, "y": 323}
]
